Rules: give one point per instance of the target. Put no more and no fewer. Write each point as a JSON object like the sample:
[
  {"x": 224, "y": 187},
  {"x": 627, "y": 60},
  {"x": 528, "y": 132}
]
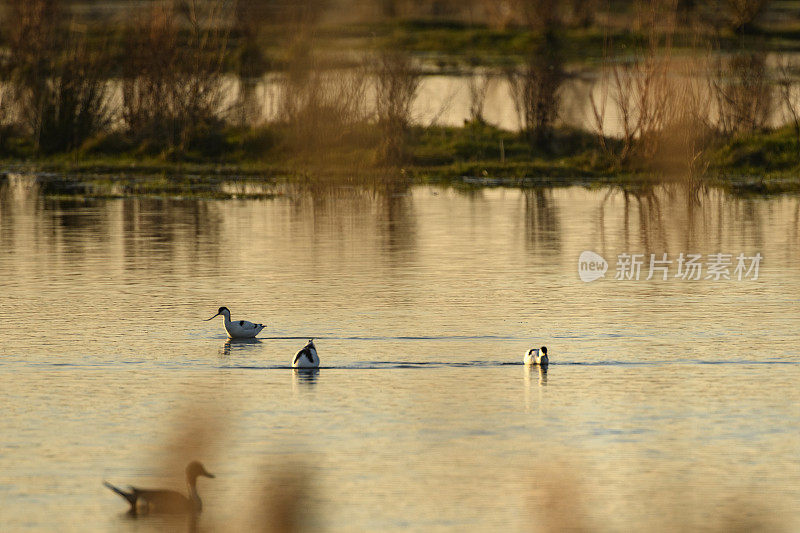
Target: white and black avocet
[
  {"x": 238, "y": 329},
  {"x": 537, "y": 356},
  {"x": 307, "y": 356}
]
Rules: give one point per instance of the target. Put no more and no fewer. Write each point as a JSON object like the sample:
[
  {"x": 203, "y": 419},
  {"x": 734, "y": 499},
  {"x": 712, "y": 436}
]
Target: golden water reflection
[{"x": 423, "y": 304}]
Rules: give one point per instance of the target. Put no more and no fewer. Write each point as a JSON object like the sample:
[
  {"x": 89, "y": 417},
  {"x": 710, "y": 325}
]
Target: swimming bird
[
  {"x": 145, "y": 501},
  {"x": 238, "y": 329},
  {"x": 537, "y": 356},
  {"x": 307, "y": 356}
]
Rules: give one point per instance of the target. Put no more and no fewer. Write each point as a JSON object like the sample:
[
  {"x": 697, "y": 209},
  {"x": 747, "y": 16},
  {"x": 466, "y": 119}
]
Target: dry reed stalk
[
  {"x": 689, "y": 131},
  {"x": 282, "y": 509}
]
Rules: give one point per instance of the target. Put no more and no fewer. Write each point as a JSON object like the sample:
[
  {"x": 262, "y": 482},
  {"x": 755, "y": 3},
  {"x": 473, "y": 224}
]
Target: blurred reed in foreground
[{"x": 560, "y": 501}]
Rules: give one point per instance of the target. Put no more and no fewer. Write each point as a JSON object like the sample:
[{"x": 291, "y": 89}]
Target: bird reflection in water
[
  {"x": 530, "y": 372},
  {"x": 304, "y": 378},
  {"x": 238, "y": 345},
  {"x": 166, "y": 522}
]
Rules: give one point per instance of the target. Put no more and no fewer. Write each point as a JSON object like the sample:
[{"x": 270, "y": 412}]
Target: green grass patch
[
  {"x": 762, "y": 152},
  {"x": 244, "y": 161}
]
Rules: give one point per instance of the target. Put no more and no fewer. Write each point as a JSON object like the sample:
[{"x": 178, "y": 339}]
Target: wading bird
[
  {"x": 238, "y": 329},
  {"x": 146, "y": 501},
  {"x": 537, "y": 356},
  {"x": 307, "y": 357}
]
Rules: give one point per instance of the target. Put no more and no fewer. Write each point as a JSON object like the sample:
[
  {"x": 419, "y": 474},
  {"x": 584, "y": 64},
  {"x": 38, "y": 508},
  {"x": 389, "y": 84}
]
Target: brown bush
[
  {"x": 149, "y": 76},
  {"x": 397, "y": 81},
  {"x": 478, "y": 84},
  {"x": 58, "y": 85},
  {"x": 172, "y": 76},
  {"x": 536, "y": 85},
  {"x": 788, "y": 87},
  {"x": 743, "y": 14},
  {"x": 320, "y": 103},
  {"x": 536, "y": 90},
  {"x": 744, "y": 94}
]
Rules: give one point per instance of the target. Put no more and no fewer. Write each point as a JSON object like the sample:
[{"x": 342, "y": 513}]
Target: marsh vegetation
[{"x": 311, "y": 91}]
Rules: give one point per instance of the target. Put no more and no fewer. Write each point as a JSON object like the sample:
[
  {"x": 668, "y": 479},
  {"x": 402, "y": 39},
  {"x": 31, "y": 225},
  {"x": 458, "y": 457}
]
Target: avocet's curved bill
[{"x": 238, "y": 329}]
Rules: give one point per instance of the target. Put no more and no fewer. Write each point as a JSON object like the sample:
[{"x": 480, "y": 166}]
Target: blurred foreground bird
[{"x": 146, "y": 501}]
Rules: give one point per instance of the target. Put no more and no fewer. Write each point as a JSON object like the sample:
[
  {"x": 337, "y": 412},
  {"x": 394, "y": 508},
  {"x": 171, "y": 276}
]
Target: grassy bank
[
  {"x": 253, "y": 162},
  {"x": 161, "y": 92}
]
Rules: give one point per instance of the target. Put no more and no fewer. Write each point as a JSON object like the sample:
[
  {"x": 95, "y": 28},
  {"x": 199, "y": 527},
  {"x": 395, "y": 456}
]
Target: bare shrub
[
  {"x": 687, "y": 132},
  {"x": 498, "y": 15},
  {"x": 744, "y": 94},
  {"x": 201, "y": 89},
  {"x": 7, "y": 116},
  {"x": 318, "y": 103},
  {"x": 149, "y": 75},
  {"x": 397, "y": 81},
  {"x": 321, "y": 106},
  {"x": 294, "y": 24},
  {"x": 478, "y": 84},
  {"x": 5, "y": 125},
  {"x": 250, "y": 26},
  {"x": 536, "y": 85},
  {"x": 788, "y": 84},
  {"x": 58, "y": 83},
  {"x": 666, "y": 124},
  {"x": 639, "y": 89},
  {"x": 74, "y": 106},
  {"x": 172, "y": 79},
  {"x": 346, "y": 95},
  {"x": 582, "y": 13},
  {"x": 743, "y": 14},
  {"x": 536, "y": 90},
  {"x": 663, "y": 105}
]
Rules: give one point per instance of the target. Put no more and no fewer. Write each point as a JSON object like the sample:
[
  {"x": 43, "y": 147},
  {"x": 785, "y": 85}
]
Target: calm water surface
[{"x": 668, "y": 404}]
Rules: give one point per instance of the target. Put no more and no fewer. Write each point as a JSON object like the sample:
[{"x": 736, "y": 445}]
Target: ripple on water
[{"x": 422, "y": 307}]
